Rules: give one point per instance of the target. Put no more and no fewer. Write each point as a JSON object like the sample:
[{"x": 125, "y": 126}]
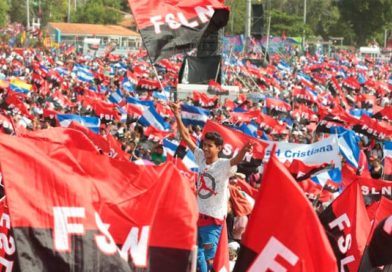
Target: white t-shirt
[{"x": 212, "y": 185}]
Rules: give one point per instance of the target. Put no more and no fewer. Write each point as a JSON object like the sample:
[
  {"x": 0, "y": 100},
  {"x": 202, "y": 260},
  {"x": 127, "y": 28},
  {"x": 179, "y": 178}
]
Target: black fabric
[
  {"x": 380, "y": 247},
  {"x": 245, "y": 259},
  {"x": 200, "y": 70},
  {"x": 326, "y": 217},
  {"x": 170, "y": 42},
  {"x": 35, "y": 253},
  {"x": 164, "y": 259},
  {"x": 230, "y": 226}
]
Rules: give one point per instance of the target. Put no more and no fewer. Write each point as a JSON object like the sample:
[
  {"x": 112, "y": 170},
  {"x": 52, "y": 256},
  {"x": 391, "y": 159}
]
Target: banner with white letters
[{"x": 324, "y": 151}]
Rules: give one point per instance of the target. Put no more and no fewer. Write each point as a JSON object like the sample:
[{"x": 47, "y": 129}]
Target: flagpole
[{"x": 149, "y": 57}]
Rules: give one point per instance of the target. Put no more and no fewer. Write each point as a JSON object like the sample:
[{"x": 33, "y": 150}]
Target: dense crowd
[{"x": 298, "y": 99}]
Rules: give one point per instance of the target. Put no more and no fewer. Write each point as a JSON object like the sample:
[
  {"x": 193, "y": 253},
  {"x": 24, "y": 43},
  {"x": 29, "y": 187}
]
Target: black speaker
[
  {"x": 257, "y": 20},
  {"x": 200, "y": 70}
]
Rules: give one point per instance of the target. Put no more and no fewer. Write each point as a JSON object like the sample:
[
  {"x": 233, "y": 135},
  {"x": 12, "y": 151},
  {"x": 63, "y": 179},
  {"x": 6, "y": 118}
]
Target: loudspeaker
[
  {"x": 257, "y": 20},
  {"x": 200, "y": 70}
]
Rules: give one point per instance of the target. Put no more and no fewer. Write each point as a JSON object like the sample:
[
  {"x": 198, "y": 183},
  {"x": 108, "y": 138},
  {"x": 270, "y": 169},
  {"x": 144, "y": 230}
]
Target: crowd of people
[{"x": 301, "y": 99}]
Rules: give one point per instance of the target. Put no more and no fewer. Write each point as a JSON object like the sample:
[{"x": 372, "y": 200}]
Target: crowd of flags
[{"x": 93, "y": 209}]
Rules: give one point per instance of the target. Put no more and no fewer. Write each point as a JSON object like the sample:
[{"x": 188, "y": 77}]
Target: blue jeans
[{"x": 207, "y": 242}]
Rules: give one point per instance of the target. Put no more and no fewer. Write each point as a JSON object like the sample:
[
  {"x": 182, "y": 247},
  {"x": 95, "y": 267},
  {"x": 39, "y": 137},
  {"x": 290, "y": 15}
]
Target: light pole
[
  {"x": 69, "y": 12},
  {"x": 28, "y": 13},
  {"x": 303, "y": 38},
  {"x": 248, "y": 21}
]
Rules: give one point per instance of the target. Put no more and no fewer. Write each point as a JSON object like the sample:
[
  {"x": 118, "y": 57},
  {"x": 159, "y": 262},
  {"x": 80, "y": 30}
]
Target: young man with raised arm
[{"x": 212, "y": 188}]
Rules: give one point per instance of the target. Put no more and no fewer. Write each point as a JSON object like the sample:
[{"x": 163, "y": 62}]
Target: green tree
[
  {"x": 322, "y": 16},
  {"x": 291, "y": 25},
  {"x": 53, "y": 11},
  {"x": 366, "y": 17},
  {"x": 17, "y": 11},
  {"x": 98, "y": 12},
  {"x": 3, "y": 12},
  {"x": 236, "y": 24}
]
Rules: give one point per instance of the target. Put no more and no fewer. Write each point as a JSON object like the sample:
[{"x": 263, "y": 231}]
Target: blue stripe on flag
[{"x": 90, "y": 122}]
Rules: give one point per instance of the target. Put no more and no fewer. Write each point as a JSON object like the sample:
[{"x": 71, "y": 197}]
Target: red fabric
[
  {"x": 205, "y": 220},
  {"x": 247, "y": 188},
  {"x": 269, "y": 226},
  {"x": 298, "y": 168},
  {"x": 277, "y": 104},
  {"x": 116, "y": 150},
  {"x": 235, "y": 139},
  {"x": 314, "y": 191},
  {"x": 240, "y": 205},
  {"x": 134, "y": 110},
  {"x": 123, "y": 194},
  {"x": 245, "y": 117},
  {"x": 156, "y": 134},
  {"x": 145, "y": 10},
  {"x": 221, "y": 260},
  {"x": 384, "y": 209},
  {"x": 7, "y": 251},
  {"x": 105, "y": 110}
]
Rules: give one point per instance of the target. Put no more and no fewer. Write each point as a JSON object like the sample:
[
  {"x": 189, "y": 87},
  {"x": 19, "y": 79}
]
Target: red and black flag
[
  {"x": 169, "y": 27},
  {"x": 348, "y": 226},
  {"x": 267, "y": 245},
  {"x": 378, "y": 249},
  {"x": 76, "y": 210},
  {"x": 374, "y": 189},
  {"x": 378, "y": 253}
]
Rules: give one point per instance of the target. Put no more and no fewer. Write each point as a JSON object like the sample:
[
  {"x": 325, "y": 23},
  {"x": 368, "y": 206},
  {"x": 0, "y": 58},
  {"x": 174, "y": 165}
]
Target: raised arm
[
  {"x": 184, "y": 133},
  {"x": 240, "y": 155}
]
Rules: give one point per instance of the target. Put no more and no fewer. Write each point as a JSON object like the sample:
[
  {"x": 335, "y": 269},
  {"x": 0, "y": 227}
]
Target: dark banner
[
  {"x": 170, "y": 27},
  {"x": 93, "y": 213}
]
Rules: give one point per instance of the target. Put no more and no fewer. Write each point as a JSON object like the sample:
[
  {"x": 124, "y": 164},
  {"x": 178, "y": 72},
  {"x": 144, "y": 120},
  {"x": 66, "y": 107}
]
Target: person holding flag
[{"x": 212, "y": 188}]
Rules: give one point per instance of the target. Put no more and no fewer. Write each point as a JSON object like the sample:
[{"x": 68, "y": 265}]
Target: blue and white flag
[
  {"x": 331, "y": 180},
  {"x": 170, "y": 147},
  {"x": 334, "y": 175},
  {"x": 83, "y": 73},
  {"x": 283, "y": 66},
  {"x": 250, "y": 129},
  {"x": 128, "y": 85},
  {"x": 90, "y": 122},
  {"x": 150, "y": 116},
  {"x": 390, "y": 80},
  {"x": 387, "y": 150},
  {"x": 162, "y": 95},
  {"x": 192, "y": 115},
  {"x": 361, "y": 66},
  {"x": 116, "y": 97},
  {"x": 304, "y": 77},
  {"x": 62, "y": 71},
  {"x": 357, "y": 113},
  {"x": 348, "y": 146},
  {"x": 361, "y": 78}
]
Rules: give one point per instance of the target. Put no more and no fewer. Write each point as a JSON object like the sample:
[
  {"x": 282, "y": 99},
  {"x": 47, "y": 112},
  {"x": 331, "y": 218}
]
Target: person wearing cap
[{"x": 212, "y": 188}]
